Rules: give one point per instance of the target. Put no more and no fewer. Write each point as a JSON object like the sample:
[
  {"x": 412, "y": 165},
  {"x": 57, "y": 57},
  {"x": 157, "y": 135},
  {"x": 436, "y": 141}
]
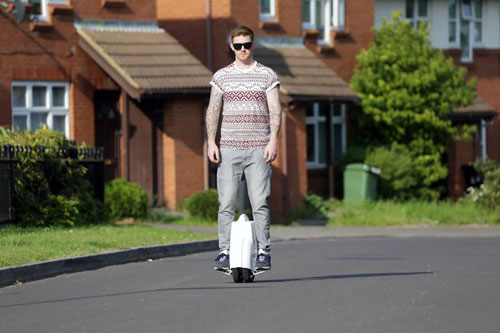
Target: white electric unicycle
[{"x": 242, "y": 252}]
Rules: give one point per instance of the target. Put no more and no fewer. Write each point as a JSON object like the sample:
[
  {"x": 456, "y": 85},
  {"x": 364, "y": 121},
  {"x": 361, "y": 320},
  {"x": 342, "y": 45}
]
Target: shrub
[
  {"x": 124, "y": 199},
  {"x": 49, "y": 188},
  {"x": 488, "y": 194},
  {"x": 204, "y": 204},
  {"x": 398, "y": 178},
  {"x": 408, "y": 90}
]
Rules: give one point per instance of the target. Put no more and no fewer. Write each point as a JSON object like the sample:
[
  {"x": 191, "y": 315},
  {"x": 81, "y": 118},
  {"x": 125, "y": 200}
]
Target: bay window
[{"x": 39, "y": 103}]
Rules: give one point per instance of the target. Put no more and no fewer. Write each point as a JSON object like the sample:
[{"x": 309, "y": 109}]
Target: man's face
[{"x": 243, "y": 54}]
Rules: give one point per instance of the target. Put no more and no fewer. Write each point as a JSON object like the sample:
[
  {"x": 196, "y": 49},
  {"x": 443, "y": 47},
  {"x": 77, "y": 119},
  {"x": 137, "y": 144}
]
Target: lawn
[
  {"x": 20, "y": 246},
  {"x": 388, "y": 213}
]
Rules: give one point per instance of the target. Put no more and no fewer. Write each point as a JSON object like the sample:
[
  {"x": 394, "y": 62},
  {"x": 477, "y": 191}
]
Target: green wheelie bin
[{"x": 360, "y": 183}]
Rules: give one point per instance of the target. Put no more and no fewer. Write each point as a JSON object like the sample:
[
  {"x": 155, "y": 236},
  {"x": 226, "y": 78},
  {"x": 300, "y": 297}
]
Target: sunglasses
[{"x": 237, "y": 46}]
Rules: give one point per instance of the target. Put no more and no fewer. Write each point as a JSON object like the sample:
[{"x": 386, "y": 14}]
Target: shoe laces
[
  {"x": 262, "y": 256},
  {"x": 221, "y": 256}
]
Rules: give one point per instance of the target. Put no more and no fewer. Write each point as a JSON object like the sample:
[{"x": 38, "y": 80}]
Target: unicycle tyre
[
  {"x": 237, "y": 275},
  {"x": 248, "y": 275}
]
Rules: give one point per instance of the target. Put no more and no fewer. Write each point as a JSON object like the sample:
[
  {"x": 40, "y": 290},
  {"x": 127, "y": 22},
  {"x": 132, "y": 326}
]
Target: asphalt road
[{"x": 373, "y": 284}]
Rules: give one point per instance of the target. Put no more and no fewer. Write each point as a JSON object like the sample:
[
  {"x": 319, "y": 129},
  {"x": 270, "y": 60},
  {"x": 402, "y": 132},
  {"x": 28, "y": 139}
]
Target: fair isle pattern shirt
[{"x": 245, "y": 114}]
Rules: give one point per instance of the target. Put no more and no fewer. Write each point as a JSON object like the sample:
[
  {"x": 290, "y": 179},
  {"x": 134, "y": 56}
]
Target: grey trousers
[{"x": 233, "y": 164}]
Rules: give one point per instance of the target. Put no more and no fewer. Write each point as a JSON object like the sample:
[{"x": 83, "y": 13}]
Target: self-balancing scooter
[{"x": 243, "y": 252}]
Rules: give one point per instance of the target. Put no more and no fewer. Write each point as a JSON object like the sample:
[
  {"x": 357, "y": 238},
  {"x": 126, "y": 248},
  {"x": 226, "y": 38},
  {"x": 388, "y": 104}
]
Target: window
[
  {"x": 416, "y": 12},
  {"x": 37, "y": 103},
  {"x": 465, "y": 26},
  {"x": 323, "y": 16},
  {"x": 338, "y": 14},
  {"x": 267, "y": 10},
  {"x": 317, "y": 132}
]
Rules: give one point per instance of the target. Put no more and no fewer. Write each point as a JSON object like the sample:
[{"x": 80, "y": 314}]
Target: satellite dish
[{"x": 19, "y": 11}]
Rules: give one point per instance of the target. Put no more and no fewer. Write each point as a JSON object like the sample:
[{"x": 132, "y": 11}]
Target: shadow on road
[
  {"x": 121, "y": 294},
  {"x": 362, "y": 258},
  {"x": 345, "y": 276}
]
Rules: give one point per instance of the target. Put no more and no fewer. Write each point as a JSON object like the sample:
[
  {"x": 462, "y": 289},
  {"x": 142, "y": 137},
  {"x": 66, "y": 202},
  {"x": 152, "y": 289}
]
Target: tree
[{"x": 408, "y": 91}]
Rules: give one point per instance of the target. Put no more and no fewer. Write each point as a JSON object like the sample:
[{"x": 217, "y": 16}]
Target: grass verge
[
  {"x": 387, "y": 213},
  {"x": 20, "y": 246}
]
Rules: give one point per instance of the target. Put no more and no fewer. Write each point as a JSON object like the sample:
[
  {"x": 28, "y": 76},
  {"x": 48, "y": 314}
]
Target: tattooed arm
[
  {"x": 273, "y": 102},
  {"x": 212, "y": 121}
]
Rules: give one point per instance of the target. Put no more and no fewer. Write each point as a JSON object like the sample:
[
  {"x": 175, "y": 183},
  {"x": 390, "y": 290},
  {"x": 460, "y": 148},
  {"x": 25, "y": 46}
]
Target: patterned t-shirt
[{"x": 245, "y": 115}]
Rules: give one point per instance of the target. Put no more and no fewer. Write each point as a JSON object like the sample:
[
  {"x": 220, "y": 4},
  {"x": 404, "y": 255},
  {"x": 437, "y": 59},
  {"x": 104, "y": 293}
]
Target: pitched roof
[
  {"x": 145, "y": 61},
  {"x": 478, "y": 109},
  {"x": 302, "y": 74}
]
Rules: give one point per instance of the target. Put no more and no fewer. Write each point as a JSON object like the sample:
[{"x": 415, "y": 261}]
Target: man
[{"x": 248, "y": 93}]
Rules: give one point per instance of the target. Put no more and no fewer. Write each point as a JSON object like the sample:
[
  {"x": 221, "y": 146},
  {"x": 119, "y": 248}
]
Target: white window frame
[
  {"x": 315, "y": 120},
  {"x": 416, "y": 19},
  {"x": 44, "y": 16},
  {"x": 334, "y": 11},
  {"x": 339, "y": 120},
  {"x": 338, "y": 15},
  {"x": 268, "y": 16},
  {"x": 459, "y": 17},
  {"x": 50, "y": 109}
]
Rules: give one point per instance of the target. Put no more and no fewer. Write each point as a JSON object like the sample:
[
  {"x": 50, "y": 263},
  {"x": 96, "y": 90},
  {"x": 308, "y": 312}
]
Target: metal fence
[
  {"x": 6, "y": 159},
  {"x": 91, "y": 158}
]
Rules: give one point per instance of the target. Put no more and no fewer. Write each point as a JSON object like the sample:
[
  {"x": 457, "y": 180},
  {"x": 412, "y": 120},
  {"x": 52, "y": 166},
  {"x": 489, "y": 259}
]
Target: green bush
[
  {"x": 488, "y": 194},
  {"x": 124, "y": 199},
  {"x": 204, "y": 204},
  {"x": 407, "y": 90},
  {"x": 49, "y": 189},
  {"x": 398, "y": 179}
]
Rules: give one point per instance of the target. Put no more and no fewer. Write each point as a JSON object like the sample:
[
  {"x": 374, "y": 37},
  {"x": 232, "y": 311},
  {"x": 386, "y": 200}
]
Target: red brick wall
[
  {"x": 132, "y": 10},
  {"x": 297, "y": 156},
  {"x": 459, "y": 153},
  {"x": 52, "y": 55},
  {"x": 486, "y": 69},
  {"x": 182, "y": 149},
  {"x": 186, "y": 21},
  {"x": 359, "y": 21}
]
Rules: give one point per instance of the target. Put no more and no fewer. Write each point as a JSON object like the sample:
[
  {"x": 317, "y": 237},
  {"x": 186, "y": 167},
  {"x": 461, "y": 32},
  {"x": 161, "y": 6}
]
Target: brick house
[
  {"x": 315, "y": 99},
  {"x": 336, "y": 31},
  {"x": 466, "y": 30},
  {"x": 104, "y": 73},
  {"x": 126, "y": 75},
  {"x": 133, "y": 76}
]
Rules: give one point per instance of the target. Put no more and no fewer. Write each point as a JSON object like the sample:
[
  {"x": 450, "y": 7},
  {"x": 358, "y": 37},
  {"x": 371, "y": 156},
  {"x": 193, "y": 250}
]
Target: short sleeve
[
  {"x": 216, "y": 83},
  {"x": 272, "y": 81}
]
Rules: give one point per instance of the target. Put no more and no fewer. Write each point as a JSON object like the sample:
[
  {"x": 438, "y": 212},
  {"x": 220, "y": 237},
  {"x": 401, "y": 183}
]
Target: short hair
[{"x": 241, "y": 30}]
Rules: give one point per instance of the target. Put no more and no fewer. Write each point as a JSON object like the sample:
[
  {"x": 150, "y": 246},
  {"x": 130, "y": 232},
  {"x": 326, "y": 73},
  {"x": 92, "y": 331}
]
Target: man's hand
[
  {"x": 271, "y": 151},
  {"x": 213, "y": 153}
]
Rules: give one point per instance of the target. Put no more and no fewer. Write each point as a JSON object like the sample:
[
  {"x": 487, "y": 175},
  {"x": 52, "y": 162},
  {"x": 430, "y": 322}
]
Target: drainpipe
[
  {"x": 483, "y": 139},
  {"x": 206, "y": 165},
  {"x": 209, "y": 34}
]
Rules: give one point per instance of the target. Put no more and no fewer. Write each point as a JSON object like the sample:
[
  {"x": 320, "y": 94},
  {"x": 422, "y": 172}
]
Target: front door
[{"x": 107, "y": 131}]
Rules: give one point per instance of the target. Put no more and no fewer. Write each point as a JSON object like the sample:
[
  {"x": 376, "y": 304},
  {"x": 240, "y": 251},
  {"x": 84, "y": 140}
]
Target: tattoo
[
  {"x": 213, "y": 112},
  {"x": 275, "y": 118}
]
